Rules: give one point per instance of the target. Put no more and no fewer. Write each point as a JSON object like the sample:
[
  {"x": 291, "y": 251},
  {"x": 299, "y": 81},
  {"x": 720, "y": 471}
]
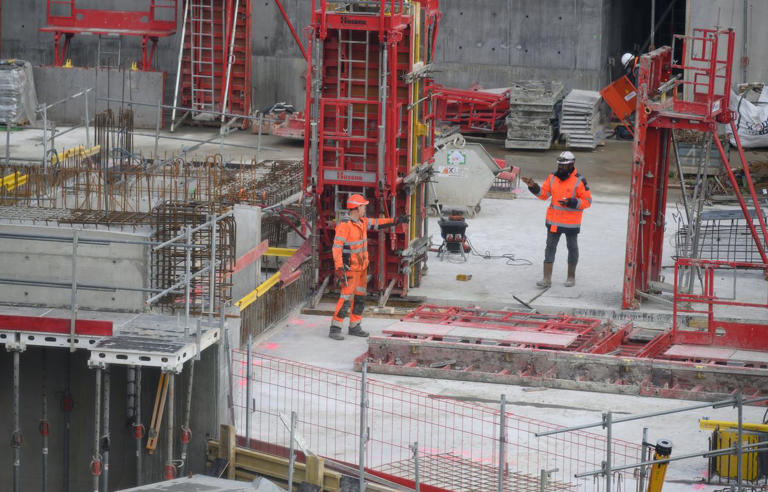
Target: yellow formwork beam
[
  {"x": 706, "y": 424},
  {"x": 280, "y": 251},
  {"x": 259, "y": 291},
  {"x": 75, "y": 151},
  {"x": 13, "y": 180}
]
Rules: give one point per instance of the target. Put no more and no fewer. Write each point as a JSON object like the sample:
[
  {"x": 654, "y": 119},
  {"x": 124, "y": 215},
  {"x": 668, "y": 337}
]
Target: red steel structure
[
  {"x": 370, "y": 129},
  {"x": 65, "y": 19},
  {"x": 215, "y": 66},
  {"x": 700, "y": 101},
  {"x": 474, "y": 111}
]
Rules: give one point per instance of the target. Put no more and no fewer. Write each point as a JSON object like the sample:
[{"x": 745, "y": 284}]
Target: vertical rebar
[
  {"x": 739, "y": 444},
  {"x": 73, "y": 296},
  {"x": 16, "y": 439},
  {"x": 96, "y": 460},
  {"x": 291, "y": 455},
  {"x": 105, "y": 437},
  {"x": 169, "y": 469},
  {"x": 608, "y": 424},
  {"x": 416, "y": 476},
  {"x": 212, "y": 273},
  {"x": 187, "y": 268},
  {"x": 502, "y": 441},
  {"x": 248, "y": 392},
  {"x": 186, "y": 433},
  {"x": 44, "y": 419},
  {"x": 363, "y": 424},
  {"x": 138, "y": 428}
]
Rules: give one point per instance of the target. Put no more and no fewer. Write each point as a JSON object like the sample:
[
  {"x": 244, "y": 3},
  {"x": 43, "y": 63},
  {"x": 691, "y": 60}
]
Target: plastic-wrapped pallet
[
  {"x": 581, "y": 119},
  {"x": 18, "y": 99},
  {"x": 534, "y": 107}
]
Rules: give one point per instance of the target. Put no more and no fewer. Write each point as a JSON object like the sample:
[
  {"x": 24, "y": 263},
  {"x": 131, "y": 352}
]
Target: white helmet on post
[
  {"x": 626, "y": 58},
  {"x": 566, "y": 158}
]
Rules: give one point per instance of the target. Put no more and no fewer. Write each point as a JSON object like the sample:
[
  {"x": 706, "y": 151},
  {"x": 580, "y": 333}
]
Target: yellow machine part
[
  {"x": 726, "y": 435},
  {"x": 659, "y": 470},
  {"x": 726, "y": 466}
]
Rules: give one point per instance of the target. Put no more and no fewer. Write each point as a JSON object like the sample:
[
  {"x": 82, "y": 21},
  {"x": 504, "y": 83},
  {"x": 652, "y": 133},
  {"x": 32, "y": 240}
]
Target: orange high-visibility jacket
[
  {"x": 350, "y": 246},
  {"x": 560, "y": 218}
]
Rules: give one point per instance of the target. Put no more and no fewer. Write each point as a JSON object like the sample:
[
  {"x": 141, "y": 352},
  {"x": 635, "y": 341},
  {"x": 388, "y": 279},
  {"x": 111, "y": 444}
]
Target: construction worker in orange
[
  {"x": 350, "y": 260},
  {"x": 570, "y": 195}
]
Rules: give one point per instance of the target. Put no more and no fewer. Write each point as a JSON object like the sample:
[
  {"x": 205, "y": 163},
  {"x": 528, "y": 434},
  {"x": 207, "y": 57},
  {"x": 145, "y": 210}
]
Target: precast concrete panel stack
[
  {"x": 534, "y": 110},
  {"x": 580, "y": 119}
]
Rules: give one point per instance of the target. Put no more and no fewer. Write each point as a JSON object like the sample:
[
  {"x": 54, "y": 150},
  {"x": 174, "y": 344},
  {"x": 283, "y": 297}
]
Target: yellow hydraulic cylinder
[{"x": 658, "y": 470}]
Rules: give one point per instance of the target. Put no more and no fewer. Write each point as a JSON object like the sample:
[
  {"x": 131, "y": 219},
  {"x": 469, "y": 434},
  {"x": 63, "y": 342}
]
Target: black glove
[
  {"x": 340, "y": 275},
  {"x": 535, "y": 189},
  {"x": 403, "y": 219},
  {"x": 570, "y": 203}
]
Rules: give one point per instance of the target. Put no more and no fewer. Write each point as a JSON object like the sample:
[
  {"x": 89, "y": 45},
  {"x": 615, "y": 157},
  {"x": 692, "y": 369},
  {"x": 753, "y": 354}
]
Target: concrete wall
[
  {"x": 247, "y": 236},
  {"x": 730, "y": 13},
  {"x": 122, "y": 470},
  {"x": 115, "y": 264},
  {"x": 56, "y": 83}
]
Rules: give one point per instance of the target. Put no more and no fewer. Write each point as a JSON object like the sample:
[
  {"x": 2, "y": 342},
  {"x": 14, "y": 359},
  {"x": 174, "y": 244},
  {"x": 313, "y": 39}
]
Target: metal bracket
[{"x": 420, "y": 71}]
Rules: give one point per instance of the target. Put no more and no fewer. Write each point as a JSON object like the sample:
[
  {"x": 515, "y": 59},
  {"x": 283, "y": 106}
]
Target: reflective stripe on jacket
[
  {"x": 350, "y": 246},
  {"x": 560, "y": 218}
]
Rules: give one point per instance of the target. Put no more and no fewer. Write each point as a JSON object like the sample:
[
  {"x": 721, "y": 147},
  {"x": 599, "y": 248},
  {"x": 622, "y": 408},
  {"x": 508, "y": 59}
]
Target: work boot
[
  {"x": 357, "y": 331},
  {"x": 571, "y": 280},
  {"x": 547, "y": 280},
  {"x": 335, "y": 333}
]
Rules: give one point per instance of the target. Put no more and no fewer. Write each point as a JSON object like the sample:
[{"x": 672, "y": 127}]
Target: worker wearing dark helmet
[
  {"x": 350, "y": 260},
  {"x": 569, "y": 195}
]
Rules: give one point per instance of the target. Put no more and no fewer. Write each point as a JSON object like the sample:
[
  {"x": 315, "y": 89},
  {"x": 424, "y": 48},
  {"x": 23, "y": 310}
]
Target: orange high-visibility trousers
[{"x": 352, "y": 299}]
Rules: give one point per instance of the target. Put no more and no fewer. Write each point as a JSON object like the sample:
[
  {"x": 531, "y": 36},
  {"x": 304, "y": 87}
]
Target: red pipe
[{"x": 293, "y": 31}]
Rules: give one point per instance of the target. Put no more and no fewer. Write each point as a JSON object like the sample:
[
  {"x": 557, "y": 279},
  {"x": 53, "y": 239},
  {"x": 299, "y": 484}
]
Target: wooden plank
[{"x": 227, "y": 449}]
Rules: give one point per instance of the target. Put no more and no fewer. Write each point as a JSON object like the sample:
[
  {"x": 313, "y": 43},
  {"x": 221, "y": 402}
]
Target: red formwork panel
[
  {"x": 55, "y": 325},
  {"x": 367, "y": 128},
  {"x": 225, "y": 20}
]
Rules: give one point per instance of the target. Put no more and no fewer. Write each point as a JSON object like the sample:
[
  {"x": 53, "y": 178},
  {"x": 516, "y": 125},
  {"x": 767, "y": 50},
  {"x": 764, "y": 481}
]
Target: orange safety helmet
[{"x": 355, "y": 201}]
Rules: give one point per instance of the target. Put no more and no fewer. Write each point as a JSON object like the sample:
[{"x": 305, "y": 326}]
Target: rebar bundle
[
  {"x": 114, "y": 135},
  {"x": 169, "y": 263}
]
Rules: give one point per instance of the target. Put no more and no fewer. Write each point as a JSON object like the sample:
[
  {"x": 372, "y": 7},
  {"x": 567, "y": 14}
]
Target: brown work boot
[
  {"x": 547, "y": 280},
  {"x": 357, "y": 331},
  {"x": 335, "y": 333},
  {"x": 571, "y": 280}
]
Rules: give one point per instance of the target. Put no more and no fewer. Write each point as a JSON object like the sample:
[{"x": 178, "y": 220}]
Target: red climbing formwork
[
  {"x": 215, "y": 59},
  {"x": 369, "y": 127},
  {"x": 65, "y": 19},
  {"x": 700, "y": 101}
]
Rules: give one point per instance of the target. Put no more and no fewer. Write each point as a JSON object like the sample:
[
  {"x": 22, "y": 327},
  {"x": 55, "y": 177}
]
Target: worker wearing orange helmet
[
  {"x": 570, "y": 195},
  {"x": 350, "y": 261}
]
